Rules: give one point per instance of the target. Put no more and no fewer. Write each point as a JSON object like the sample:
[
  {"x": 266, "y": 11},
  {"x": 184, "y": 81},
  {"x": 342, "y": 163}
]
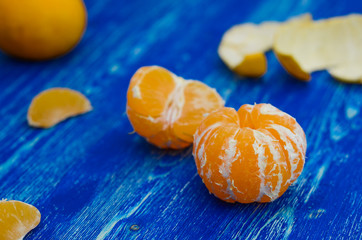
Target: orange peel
[
  {"x": 55, "y": 105},
  {"x": 332, "y": 44},
  {"x": 242, "y": 47},
  {"x": 17, "y": 219}
]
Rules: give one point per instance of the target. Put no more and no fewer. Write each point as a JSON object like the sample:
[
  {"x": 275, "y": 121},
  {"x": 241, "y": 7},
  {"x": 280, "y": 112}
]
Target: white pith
[
  {"x": 136, "y": 93},
  {"x": 175, "y": 102},
  {"x": 268, "y": 109},
  {"x": 229, "y": 156},
  {"x": 199, "y": 152},
  {"x": 261, "y": 142},
  {"x": 288, "y": 137}
]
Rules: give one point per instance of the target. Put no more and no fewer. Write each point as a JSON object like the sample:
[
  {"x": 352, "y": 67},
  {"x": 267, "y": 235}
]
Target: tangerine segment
[
  {"x": 148, "y": 89},
  {"x": 153, "y": 130},
  {"x": 249, "y": 155},
  {"x": 55, "y": 105},
  {"x": 17, "y": 219},
  {"x": 166, "y": 109},
  {"x": 199, "y": 100}
]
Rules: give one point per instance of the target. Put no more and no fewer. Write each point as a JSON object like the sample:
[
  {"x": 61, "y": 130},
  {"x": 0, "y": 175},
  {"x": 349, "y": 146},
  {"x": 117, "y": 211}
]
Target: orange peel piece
[
  {"x": 348, "y": 73},
  {"x": 332, "y": 44},
  {"x": 253, "y": 65},
  {"x": 17, "y": 219},
  {"x": 55, "y": 105},
  {"x": 292, "y": 67},
  {"x": 166, "y": 109},
  {"x": 242, "y": 48}
]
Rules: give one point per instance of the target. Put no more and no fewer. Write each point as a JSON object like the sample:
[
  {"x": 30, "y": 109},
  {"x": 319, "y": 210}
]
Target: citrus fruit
[
  {"x": 249, "y": 155},
  {"x": 55, "y": 105},
  {"x": 17, "y": 219},
  {"x": 332, "y": 44},
  {"x": 243, "y": 46},
  {"x": 166, "y": 109},
  {"x": 41, "y": 29}
]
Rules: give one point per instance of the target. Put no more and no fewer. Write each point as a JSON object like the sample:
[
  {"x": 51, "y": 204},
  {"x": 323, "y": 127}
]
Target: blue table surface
[{"x": 91, "y": 179}]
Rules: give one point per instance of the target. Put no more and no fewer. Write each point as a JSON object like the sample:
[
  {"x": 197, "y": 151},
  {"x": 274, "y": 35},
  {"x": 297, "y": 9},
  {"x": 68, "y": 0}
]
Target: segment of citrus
[
  {"x": 333, "y": 44},
  {"x": 166, "y": 109},
  {"x": 243, "y": 46},
  {"x": 250, "y": 155},
  {"x": 17, "y": 219},
  {"x": 55, "y": 105},
  {"x": 41, "y": 29}
]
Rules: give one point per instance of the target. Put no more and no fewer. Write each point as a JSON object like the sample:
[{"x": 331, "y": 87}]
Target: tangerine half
[
  {"x": 55, "y": 105},
  {"x": 166, "y": 109},
  {"x": 250, "y": 155},
  {"x": 17, "y": 219}
]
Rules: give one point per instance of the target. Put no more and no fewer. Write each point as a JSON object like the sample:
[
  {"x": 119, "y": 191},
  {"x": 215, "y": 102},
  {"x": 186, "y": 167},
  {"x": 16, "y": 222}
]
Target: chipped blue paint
[{"x": 91, "y": 179}]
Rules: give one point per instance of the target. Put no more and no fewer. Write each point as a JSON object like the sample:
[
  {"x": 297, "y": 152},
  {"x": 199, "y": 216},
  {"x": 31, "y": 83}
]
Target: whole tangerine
[
  {"x": 250, "y": 155},
  {"x": 41, "y": 29}
]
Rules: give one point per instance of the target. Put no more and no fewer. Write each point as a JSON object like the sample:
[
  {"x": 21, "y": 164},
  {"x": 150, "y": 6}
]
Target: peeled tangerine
[
  {"x": 243, "y": 46},
  {"x": 252, "y": 155},
  {"x": 17, "y": 219},
  {"x": 333, "y": 44},
  {"x": 166, "y": 109},
  {"x": 55, "y": 105}
]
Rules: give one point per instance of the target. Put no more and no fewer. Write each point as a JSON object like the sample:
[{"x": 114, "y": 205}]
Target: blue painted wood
[{"x": 92, "y": 180}]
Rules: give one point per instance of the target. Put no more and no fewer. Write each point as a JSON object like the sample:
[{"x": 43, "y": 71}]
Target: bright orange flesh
[
  {"x": 252, "y": 155},
  {"x": 55, "y": 105},
  {"x": 166, "y": 109},
  {"x": 17, "y": 219}
]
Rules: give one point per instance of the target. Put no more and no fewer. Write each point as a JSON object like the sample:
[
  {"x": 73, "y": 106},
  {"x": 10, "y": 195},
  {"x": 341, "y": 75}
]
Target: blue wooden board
[{"x": 91, "y": 179}]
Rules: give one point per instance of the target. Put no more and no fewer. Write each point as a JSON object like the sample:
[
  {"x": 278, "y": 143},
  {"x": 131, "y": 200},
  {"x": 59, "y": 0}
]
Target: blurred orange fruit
[
  {"x": 41, "y": 29},
  {"x": 167, "y": 109},
  {"x": 55, "y": 105},
  {"x": 17, "y": 219},
  {"x": 252, "y": 155}
]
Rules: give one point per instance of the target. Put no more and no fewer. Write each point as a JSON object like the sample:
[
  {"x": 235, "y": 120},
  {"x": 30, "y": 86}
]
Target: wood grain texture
[{"x": 91, "y": 179}]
